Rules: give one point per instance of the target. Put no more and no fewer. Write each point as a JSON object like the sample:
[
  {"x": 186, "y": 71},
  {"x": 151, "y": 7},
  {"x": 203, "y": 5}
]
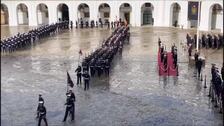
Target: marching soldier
[
  {"x": 69, "y": 107},
  {"x": 42, "y": 113},
  {"x": 86, "y": 80},
  {"x": 79, "y": 75},
  {"x": 41, "y": 101}
]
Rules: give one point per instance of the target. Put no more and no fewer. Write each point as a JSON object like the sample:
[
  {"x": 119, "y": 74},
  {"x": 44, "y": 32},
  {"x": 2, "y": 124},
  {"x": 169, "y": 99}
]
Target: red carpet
[{"x": 171, "y": 71}]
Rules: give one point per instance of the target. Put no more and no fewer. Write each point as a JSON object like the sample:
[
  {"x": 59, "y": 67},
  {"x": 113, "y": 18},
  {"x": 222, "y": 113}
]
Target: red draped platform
[{"x": 170, "y": 70}]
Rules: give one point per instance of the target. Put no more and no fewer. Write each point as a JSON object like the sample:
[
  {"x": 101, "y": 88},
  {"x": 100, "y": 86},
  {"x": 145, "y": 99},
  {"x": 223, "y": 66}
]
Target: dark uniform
[
  {"x": 165, "y": 62},
  {"x": 222, "y": 73},
  {"x": 41, "y": 101},
  {"x": 71, "y": 23},
  {"x": 69, "y": 107},
  {"x": 86, "y": 78},
  {"x": 199, "y": 66},
  {"x": 79, "y": 75},
  {"x": 42, "y": 114}
]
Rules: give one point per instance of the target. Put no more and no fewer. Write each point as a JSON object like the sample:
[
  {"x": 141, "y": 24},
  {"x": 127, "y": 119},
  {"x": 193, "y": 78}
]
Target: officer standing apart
[
  {"x": 69, "y": 107},
  {"x": 86, "y": 80},
  {"x": 42, "y": 113},
  {"x": 199, "y": 66},
  {"x": 79, "y": 75}
]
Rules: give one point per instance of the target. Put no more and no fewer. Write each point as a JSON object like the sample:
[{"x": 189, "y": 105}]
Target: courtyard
[{"x": 132, "y": 95}]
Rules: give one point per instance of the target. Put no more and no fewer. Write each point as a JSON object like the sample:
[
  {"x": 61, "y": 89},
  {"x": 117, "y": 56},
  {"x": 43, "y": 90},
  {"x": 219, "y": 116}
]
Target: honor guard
[
  {"x": 86, "y": 78},
  {"x": 41, "y": 101},
  {"x": 71, "y": 23},
  {"x": 79, "y": 75},
  {"x": 42, "y": 113},
  {"x": 199, "y": 64},
  {"x": 69, "y": 107}
]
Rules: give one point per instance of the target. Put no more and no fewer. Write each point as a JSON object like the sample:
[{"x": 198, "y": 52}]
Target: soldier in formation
[
  {"x": 30, "y": 38},
  {"x": 99, "y": 61},
  {"x": 206, "y": 41}
]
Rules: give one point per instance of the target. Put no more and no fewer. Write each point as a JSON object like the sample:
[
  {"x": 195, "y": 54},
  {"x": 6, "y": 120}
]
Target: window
[
  {"x": 86, "y": 14},
  {"x": 106, "y": 14}
]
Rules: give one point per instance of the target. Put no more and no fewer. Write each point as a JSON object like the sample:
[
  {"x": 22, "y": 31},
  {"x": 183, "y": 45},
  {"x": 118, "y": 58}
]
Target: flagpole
[
  {"x": 78, "y": 59},
  {"x": 67, "y": 81},
  {"x": 199, "y": 12}
]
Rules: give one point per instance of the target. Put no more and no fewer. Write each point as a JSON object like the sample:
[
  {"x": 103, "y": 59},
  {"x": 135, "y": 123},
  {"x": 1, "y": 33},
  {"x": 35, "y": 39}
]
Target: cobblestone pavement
[{"x": 133, "y": 95}]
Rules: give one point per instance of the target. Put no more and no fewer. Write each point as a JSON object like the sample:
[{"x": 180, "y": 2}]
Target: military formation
[
  {"x": 206, "y": 41},
  {"x": 80, "y": 23},
  {"x": 216, "y": 91},
  {"x": 30, "y": 38},
  {"x": 99, "y": 62}
]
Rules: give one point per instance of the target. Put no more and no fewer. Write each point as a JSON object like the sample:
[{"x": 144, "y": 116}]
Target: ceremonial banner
[
  {"x": 69, "y": 80},
  {"x": 193, "y": 10}
]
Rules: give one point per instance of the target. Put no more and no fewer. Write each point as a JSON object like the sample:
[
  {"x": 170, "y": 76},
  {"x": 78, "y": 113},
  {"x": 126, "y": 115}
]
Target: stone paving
[{"x": 133, "y": 95}]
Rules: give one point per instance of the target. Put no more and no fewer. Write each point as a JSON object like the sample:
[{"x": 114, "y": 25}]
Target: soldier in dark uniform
[
  {"x": 112, "y": 24},
  {"x": 199, "y": 66},
  {"x": 175, "y": 59},
  {"x": 162, "y": 53},
  {"x": 92, "y": 24},
  {"x": 165, "y": 61},
  {"x": 96, "y": 24},
  {"x": 76, "y": 24},
  {"x": 79, "y": 75},
  {"x": 107, "y": 67},
  {"x": 81, "y": 23},
  {"x": 196, "y": 55},
  {"x": 159, "y": 42},
  {"x": 42, "y": 113},
  {"x": 86, "y": 80},
  {"x": 92, "y": 68},
  {"x": 69, "y": 107},
  {"x": 40, "y": 100},
  {"x": 71, "y": 24},
  {"x": 87, "y": 24},
  {"x": 222, "y": 72}
]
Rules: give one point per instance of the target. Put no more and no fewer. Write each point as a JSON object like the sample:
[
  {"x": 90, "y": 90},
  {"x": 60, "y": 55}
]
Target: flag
[
  {"x": 69, "y": 80},
  {"x": 193, "y": 10},
  {"x": 80, "y": 52}
]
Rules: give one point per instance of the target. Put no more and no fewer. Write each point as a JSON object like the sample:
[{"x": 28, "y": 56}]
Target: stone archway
[
  {"x": 62, "y": 12},
  {"x": 216, "y": 17},
  {"x": 42, "y": 14},
  {"x": 104, "y": 12},
  {"x": 175, "y": 15},
  {"x": 83, "y": 12},
  {"x": 4, "y": 14},
  {"x": 125, "y": 12},
  {"x": 147, "y": 14},
  {"x": 22, "y": 14}
]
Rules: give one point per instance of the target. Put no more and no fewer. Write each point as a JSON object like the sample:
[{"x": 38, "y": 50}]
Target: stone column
[
  {"x": 12, "y": 10},
  {"x": 32, "y": 14},
  {"x": 52, "y": 13}
]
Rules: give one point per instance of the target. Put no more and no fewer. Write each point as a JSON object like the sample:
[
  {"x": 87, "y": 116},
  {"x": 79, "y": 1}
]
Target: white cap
[{"x": 41, "y": 102}]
